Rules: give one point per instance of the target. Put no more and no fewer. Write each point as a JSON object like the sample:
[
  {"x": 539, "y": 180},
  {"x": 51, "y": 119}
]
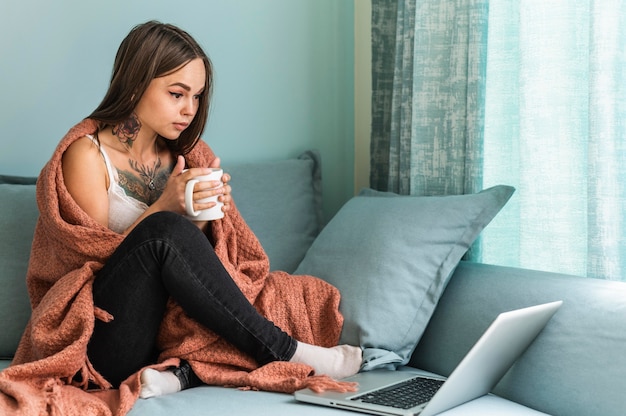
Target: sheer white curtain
[{"x": 555, "y": 128}]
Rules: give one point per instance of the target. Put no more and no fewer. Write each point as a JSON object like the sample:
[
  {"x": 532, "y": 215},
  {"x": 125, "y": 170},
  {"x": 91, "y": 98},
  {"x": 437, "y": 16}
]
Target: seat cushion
[{"x": 211, "y": 400}]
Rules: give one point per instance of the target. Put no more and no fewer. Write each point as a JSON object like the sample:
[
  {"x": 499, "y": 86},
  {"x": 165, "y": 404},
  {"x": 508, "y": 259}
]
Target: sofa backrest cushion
[
  {"x": 280, "y": 201},
  {"x": 18, "y": 214}
]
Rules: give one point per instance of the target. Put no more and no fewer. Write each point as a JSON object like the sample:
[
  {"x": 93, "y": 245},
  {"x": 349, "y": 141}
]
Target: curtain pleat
[{"x": 392, "y": 94}]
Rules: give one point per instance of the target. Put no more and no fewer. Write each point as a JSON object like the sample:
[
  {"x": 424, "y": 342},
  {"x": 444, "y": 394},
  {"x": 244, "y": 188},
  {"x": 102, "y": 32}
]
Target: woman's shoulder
[
  {"x": 83, "y": 155},
  {"x": 84, "y": 147}
]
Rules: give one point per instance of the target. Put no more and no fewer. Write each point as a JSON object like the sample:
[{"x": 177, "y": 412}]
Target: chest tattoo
[{"x": 135, "y": 183}]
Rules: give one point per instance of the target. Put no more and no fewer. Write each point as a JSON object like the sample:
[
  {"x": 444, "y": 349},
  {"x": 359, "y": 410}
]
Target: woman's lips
[{"x": 181, "y": 126}]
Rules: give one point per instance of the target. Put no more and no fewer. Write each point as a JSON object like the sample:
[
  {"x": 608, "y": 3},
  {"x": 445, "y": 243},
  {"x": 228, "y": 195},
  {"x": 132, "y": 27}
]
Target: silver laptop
[{"x": 388, "y": 392}]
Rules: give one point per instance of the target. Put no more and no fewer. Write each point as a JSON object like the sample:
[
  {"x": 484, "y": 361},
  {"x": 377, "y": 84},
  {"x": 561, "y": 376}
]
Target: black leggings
[{"x": 167, "y": 255}]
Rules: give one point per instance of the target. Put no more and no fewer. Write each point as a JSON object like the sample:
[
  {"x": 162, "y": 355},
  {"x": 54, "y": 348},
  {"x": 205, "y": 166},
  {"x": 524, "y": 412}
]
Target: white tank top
[{"x": 123, "y": 209}]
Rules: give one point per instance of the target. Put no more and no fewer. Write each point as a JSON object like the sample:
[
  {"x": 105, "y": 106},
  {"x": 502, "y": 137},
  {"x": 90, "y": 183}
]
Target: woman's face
[{"x": 170, "y": 103}]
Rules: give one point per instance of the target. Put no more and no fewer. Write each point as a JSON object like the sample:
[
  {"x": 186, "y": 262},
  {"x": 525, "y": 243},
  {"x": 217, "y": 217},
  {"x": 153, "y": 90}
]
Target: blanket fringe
[
  {"x": 88, "y": 374},
  {"x": 52, "y": 391},
  {"x": 102, "y": 315},
  {"x": 95, "y": 376}
]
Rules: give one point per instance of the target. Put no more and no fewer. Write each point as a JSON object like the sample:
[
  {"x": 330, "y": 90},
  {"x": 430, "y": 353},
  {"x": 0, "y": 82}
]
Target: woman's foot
[
  {"x": 337, "y": 362},
  {"x": 157, "y": 383}
]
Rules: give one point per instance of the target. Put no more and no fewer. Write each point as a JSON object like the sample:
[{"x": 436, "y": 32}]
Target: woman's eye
[{"x": 176, "y": 94}]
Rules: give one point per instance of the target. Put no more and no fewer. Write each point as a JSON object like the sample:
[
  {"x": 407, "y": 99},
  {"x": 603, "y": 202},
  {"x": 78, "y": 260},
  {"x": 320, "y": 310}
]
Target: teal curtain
[
  {"x": 468, "y": 94},
  {"x": 429, "y": 62}
]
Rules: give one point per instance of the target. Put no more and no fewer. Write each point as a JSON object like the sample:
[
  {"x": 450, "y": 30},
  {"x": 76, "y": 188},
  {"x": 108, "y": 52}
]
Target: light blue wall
[{"x": 284, "y": 76}]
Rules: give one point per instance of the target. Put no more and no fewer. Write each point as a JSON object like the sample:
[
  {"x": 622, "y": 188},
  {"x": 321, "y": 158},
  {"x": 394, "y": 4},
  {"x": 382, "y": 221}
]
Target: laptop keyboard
[{"x": 403, "y": 395}]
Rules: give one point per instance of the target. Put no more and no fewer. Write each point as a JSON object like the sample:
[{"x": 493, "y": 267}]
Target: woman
[{"x": 123, "y": 168}]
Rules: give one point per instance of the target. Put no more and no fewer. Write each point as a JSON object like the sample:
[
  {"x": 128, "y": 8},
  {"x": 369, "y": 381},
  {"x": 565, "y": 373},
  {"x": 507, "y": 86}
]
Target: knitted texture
[{"x": 51, "y": 372}]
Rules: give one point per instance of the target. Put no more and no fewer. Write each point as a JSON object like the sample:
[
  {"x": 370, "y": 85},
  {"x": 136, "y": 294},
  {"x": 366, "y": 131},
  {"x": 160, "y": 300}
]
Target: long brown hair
[{"x": 149, "y": 51}]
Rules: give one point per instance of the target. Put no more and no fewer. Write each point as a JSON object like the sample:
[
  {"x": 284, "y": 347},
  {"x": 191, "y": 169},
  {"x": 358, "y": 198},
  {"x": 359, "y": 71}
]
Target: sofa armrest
[{"x": 576, "y": 366}]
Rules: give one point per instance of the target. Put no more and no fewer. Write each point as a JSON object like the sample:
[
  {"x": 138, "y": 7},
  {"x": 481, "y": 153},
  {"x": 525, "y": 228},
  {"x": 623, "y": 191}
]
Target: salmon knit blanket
[{"x": 51, "y": 372}]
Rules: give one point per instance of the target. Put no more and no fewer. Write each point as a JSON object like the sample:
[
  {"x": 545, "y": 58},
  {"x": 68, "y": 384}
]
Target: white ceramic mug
[{"x": 212, "y": 213}]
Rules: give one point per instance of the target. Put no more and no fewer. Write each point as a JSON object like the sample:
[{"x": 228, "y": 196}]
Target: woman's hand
[
  {"x": 173, "y": 196},
  {"x": 225, "y": 198}
]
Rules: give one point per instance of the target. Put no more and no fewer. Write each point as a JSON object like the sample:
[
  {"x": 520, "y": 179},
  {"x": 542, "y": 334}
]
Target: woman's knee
[
  {"x": 172, "y": 229},
  {"x": 162, "y": 221},
  {"x": 166, "y": 224}
]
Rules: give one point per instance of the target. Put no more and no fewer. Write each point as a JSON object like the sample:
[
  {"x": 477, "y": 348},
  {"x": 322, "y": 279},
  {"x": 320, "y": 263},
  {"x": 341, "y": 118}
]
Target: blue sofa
[{"x": 576, "y": 367}]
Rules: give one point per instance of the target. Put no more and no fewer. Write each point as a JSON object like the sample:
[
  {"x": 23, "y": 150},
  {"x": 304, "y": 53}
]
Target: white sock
[
  {"x": 337, "y": 362},
  {"x": 157, "y": 383}
]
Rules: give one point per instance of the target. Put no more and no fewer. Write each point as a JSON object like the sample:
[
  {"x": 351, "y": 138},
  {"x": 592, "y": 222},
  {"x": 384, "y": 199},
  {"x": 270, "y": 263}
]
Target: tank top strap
[{"x": 111, "y": 171}]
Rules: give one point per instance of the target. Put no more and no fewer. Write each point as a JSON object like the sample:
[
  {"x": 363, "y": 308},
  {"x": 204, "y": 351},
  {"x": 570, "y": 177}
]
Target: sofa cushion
[
  {"x": 282, "y": 203},
  {"x": 391, "y": 259},
  {"x": 18, "y": 214},
  {"x": 214, "y": 400}
]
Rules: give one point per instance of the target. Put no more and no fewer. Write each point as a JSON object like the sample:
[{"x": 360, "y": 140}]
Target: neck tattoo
[{"x": 128, "y": 130}]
